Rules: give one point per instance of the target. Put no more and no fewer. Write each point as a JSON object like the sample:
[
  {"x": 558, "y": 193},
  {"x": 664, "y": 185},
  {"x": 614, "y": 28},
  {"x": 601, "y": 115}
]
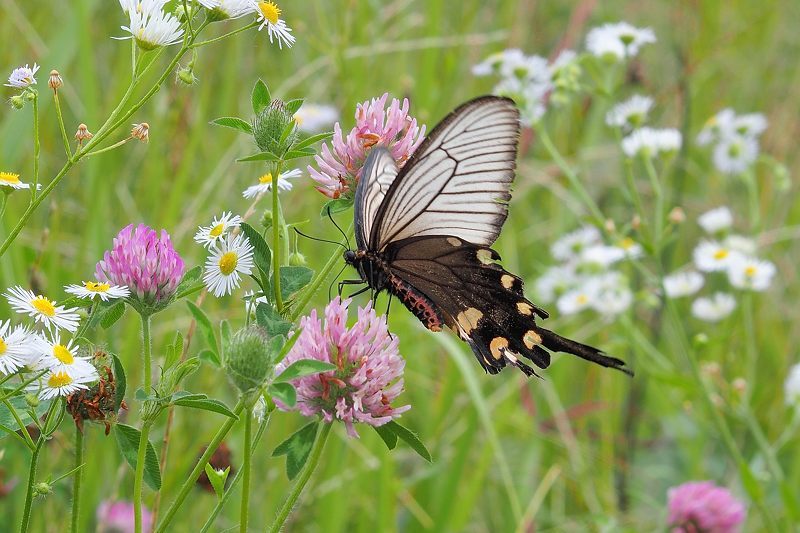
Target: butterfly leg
[{"x": 348, "y": 282}]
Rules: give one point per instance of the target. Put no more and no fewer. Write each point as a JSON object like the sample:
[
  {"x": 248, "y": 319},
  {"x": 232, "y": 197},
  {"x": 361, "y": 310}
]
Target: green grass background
[{"x": 493, "y": 439}]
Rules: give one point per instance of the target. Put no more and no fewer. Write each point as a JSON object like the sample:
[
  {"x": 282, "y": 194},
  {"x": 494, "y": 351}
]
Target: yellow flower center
[
  {"x": 96, "y": 286},
  {"x": 59, "y": 379},
  {"x": 582, "y": 299},
  {"x": 9, "y": 177},
  {"x": 266, "y": 178},
  {"x": 626, "y": 243},
  {"x": 61, "y": 353},
  {"x": 44, "y": 306},
  {"x": 3, "y": 346},
  {"x": 216, "y": 231},
  {"x": 750, "y": 271},
  {"x": 271, "y": 11},
  {"x": 721, "y": 254},
  {"x": 227, "y": 263}
]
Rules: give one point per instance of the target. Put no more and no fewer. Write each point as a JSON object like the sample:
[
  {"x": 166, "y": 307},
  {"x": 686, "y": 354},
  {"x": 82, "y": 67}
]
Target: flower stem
[
  {"x": 76, "y": 482},
  {"x": 752, "y": 194},
  {"x": 26, "y": 513},
  {"x": 248, "y": 430},
  {"x": 60, "y": 116},
  {"x": 658, "y": 224},
  {"x": 188, "y": 484},
  {"x": 23, "y": 385},
  {"x": 305, "y": 475},
  {"x": 276, "y": 244},
  {"x": 25, "y": 435},
  {"x": 3, "y": 202},
  {"x": 230, "y": 33},
  {"x": 36, "y": 146},
  {"x": 145, "y": 434},
  {"x": 109, "y": 148}
]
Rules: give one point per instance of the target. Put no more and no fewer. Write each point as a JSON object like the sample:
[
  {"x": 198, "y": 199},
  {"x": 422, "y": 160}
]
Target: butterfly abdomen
[{"x": 416, "y": 302}]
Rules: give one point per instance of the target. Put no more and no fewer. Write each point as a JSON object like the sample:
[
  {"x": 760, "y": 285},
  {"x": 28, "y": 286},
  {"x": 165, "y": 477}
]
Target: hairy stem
[
  {"x": 144, "y": 437},
  {"x": 248, "y": 443},
  {"x": 276, "y": 244},
  {"x": 76, "y": 481}
]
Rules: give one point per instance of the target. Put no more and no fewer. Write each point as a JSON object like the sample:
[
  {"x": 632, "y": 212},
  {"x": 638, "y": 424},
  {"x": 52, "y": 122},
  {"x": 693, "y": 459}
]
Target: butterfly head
[{"x": 349, "y": 256}]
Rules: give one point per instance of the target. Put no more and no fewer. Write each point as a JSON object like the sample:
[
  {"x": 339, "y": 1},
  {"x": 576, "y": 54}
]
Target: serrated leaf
[
  {"x": 206, "y": 404},
  {"x": 336, "y": 206},
  {"x": 260, "y": 97},
  {"x": 294, "y": 278},
  {"x": 410, "y": 438},
  {"x": 308, "y": 141},
  {"x": 128, "y": 443},
  {"x": 210, "y": 357},
  {"x": 261, "y": 156},
  {"x": 234, "y": 123},
  {"x": 205, "y": 327},
  {"x": 120, "y": 380},
  {"x": 388, "y": 435},
  {"x": 262, "y": 255},
  {"x": 293, "y": 105},
  {"x": 303, "y": 367},
  {"x": 217, "y": 478},
  {"x": 284, "y": 392},
  {"x": 297, "y": 448},
  {"x": 268, "y": 318},
  {"x": 112, "y": 314}
]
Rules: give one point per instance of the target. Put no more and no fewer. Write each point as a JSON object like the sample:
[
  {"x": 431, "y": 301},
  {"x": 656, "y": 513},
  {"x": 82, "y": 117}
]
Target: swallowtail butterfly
[{"x": 424, "y": 234}]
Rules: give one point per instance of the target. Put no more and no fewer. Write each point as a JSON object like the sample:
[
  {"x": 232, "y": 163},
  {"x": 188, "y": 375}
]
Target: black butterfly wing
[
  {"x": 482, "y": 302},
  {"x": 456, "y": 183}
]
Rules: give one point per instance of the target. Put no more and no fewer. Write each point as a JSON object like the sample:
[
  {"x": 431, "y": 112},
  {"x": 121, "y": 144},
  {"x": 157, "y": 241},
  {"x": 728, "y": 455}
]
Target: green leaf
[
  {"x": 120, "y": 380},
  {"x": 336, "y": 206},
  {"x": 261, "y": 156},
  {"x": 297, "y": 448},
  {"x": 287, "y": 130},
  {"x": 308, "y": 141},
  {"x": 210, "y": 357},
  {"x": 21, "y": 407},
  {"x": 287, "y": 346},
  {"x": 128, "y": 443},
  {"x": 234, "y": 123},
  {"x": 204, "y": 324},
  {"x": 389, "y": 437},
  {"x": 174, "y": 351},
  {"x": 112, "y": 314},
  {"x": 261, "y": 251},
  {"x": 74, "y": 301},
  {"x": 293, "y": 105},
  {"x": 206, "y": 404},
  {"x": 297, "y": 154},
  {"x": 303, "y": 367},
  {"x": 217, "y": 478},
  {"x": 284, "y": 392},
  {"x": 260, "y": 97},
  {"x": 406, "y": 435},
  {"x": 225, "y": 333},
  {"x": 269, "y": 319},
  {"x": 189, "y": 281},
  {"x": 294, "y": 278}
]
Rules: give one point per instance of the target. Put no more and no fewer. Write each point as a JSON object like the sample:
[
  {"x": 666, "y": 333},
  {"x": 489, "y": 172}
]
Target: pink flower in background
[
  {"x": 144, "y": 262},
  {"x": 369, "y": 374},
  {"x": 117, "y": 517},
  {"x": 702, "y": 507},
  {"x": 340, "y": 169}
]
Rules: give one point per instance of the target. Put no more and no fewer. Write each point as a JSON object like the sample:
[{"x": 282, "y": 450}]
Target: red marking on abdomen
[{"x": 416, "y": 302}]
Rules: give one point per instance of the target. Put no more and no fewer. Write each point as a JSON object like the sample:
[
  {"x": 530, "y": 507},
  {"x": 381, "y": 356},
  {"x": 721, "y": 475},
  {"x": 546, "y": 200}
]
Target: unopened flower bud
[
  {"x": 677, "y": 215},
  {"x": 269, "y": 126},
  {"x": 636, "y": 222},
  {"x": 266, "y": 219},
  {"x": 610, "y": 226},
  {"x": 32, "y": 400},
  {"x": 42, "y": 489},
  {"x": 181, "y": 14},
  {"x": 29, "y": 95},
  {"x": 141, "y": 132},
  {"x": 248, "y": 359},
  {"x": 83, "y": 134},
  {"x": 711, "y": 369},
  {"x": 55, "y": 81},
  {"x": 17, "y": 102},
  {"x": 739, "y": 385},
  {"x": 700, "y": 340},
  {"x": 297, "y": 259},
  {"x": 186, "y": 76}
]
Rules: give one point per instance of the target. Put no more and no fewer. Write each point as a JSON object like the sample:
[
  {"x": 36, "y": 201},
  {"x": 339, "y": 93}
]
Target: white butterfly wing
[
  {"x": 380, "y": 170},
  {"x": 457, "y": 182}
]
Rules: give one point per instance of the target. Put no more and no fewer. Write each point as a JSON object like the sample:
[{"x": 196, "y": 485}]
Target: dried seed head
[
  {"x": 141, "y": 132},
  {"x": 83, "y": 134},
  {"x": 677, "y": 215},
  {"x": 739, "y": 385},
  {"x": 55, "y": 80}
]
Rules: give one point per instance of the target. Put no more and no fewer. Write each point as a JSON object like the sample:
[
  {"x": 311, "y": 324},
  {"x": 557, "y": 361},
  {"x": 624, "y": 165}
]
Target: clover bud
[{"x": 248, "y": 358}]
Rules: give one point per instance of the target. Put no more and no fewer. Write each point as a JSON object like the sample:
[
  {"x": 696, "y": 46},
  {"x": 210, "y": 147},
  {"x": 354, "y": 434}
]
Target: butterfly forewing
[{"x": 379, "y": 172}]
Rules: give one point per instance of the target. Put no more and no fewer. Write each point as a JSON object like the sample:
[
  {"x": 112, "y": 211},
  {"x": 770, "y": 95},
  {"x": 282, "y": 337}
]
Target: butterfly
[{"x": 424, "y": 234}]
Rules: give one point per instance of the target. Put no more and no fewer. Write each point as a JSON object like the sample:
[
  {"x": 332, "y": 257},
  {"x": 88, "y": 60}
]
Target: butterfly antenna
[
  {"x": 330, "y": 216},
  {"x": 320, "y": 240}
]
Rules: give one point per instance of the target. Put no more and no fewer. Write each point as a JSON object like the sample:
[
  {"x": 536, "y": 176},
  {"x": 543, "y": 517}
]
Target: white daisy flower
[
  {"x": 651, "y": 142},
  {"x": 23, "y": 77},
  {"x": 679, "y": 284},
  {"x": 749, "y": 125},
  {"x": 631, "y": 114},
  {"x": 58, "y": 357},
  {"x": 232, "y": 9},
  {"x": 555, "y": 281},
  {"x": 565, "y": 58},
  {"x": 630, "y": 248},
  {"x": 251, "y": 302},
  {"x": 210, "y": 235},
  {"x": 734, "y": 155},
  {"x": 10, "y": 180},
  {"x": 265, "y": 183},
  {"x": 713, "y": 256},
  {"x": 715, "y": 308},
  {"x": 42, "y": 309},
  {"x": 740, "y": 243},
  {"x": 601, "y": 255},
  {"x": 54, "y": 384},
  {"x": 716, "y": 220},
  {"x": 313, "y": 118},
  {"x": 575, "y": 300},
  {"x": 717, "y": 127},
  {"x": 19, "y": 346},
  {"x": 608, "y": 293},
  {"x": 150, "y": 25},
  {"x": 751, "y": 273},
  {"x": 269, "y": 16},
  {"x": 494, "y": 63},
  {"x": 791, "y": 387},
  {"x": 105, "y": 291},
  {"x": 618, "y": 40},
  {"x": 531, "y": 100},
  {"x": 227, "y": 263},
  {"x": 208, "y": 4},
  {"x": 572, "y": 244}
]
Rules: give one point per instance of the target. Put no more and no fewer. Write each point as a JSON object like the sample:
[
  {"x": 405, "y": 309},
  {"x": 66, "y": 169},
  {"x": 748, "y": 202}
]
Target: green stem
[
  {"x": 26, "y": 513},
  {"x": 753, "y": 200},
  {"x": 60, "y": 116},
  {"x": 189, "y": 483},
  {"x": 248, "y": 430},
  {"x": 571, "y": 175},
  {"x": 230, "y": 33},
  {"x": 751, "y": 347},
  {"x": 305, "y": 475},
  {"x": 76, "y": 482},
  {"x": 23, "y": 385},
  {"x": 109, "y": 148},
  {"x": 276, "y": 244},
  {"x": 36, "y": 146},
  {"x": 658, "y": 223},
  {"x": 144, "y": 437},
  {"x": 3, "y": 202},
  {"x": 85, "y": 324}
]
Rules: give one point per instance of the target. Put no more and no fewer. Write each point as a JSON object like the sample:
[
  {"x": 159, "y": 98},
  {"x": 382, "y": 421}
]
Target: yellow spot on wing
[
  {"x": 468, "y": 320},
  {"x": 485, "y": 256},
  {"x": 525, "y": 308},
  {"x": 530, "y": 338},
  {"x": 507, "y": 280},
  {"x": 498, "y": 346},
  {"x": 453, "y": 241}
]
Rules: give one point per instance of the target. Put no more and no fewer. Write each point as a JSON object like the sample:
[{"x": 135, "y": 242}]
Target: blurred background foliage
[{"x": 557, "y": 446}]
